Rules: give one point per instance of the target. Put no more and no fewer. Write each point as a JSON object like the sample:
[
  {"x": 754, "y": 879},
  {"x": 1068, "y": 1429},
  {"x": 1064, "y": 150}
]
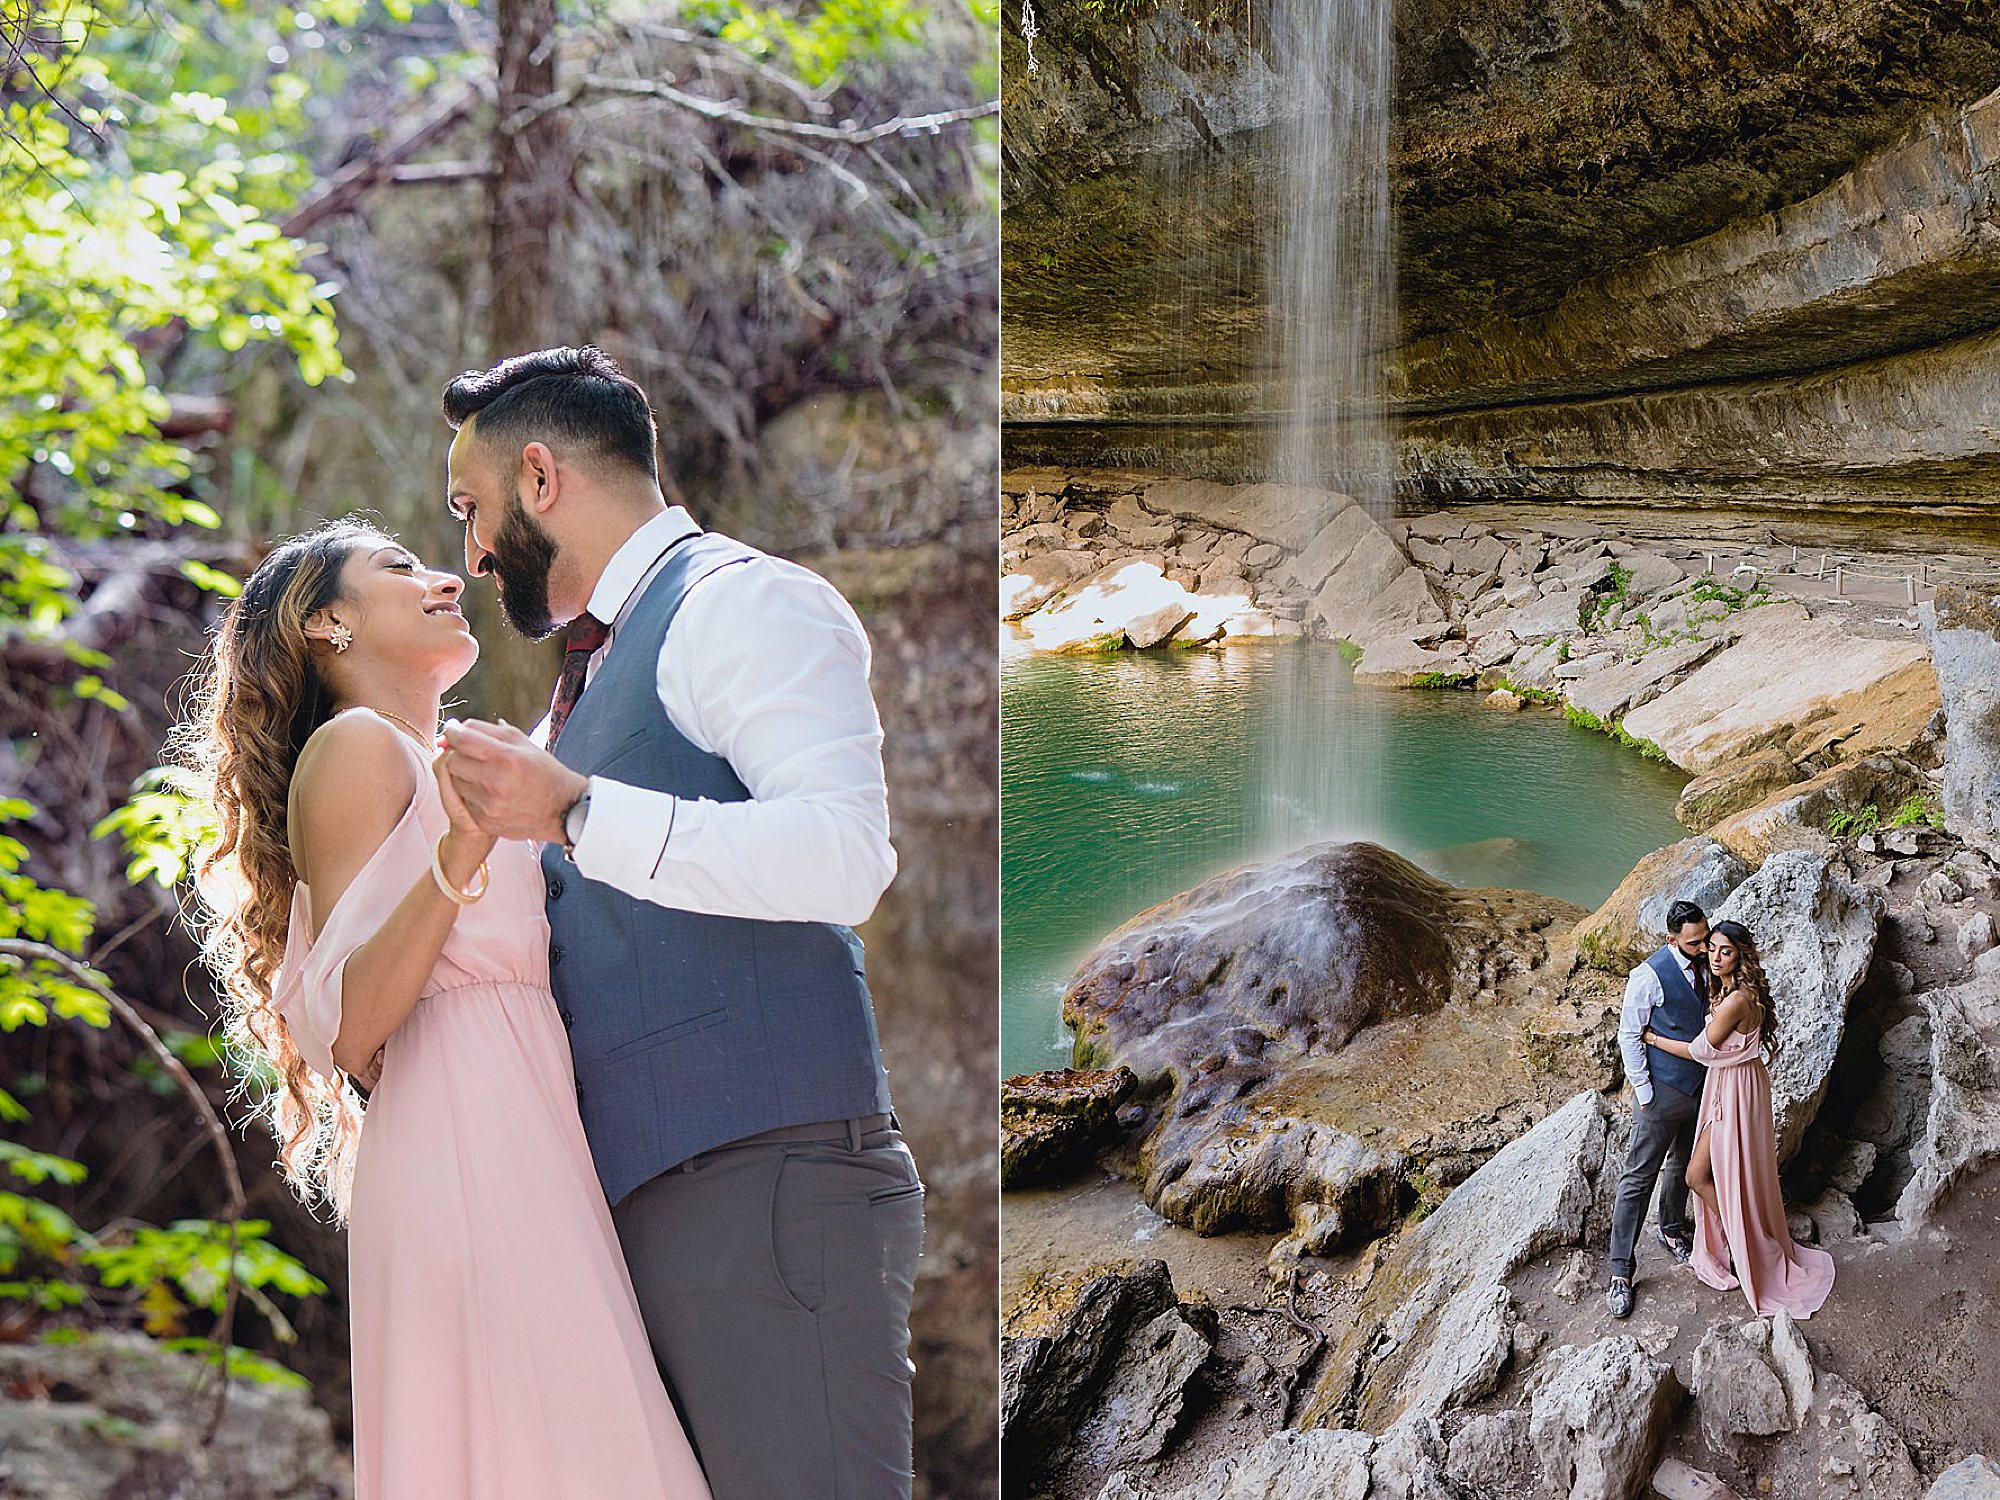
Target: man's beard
[{"x": 521, "y": 557}]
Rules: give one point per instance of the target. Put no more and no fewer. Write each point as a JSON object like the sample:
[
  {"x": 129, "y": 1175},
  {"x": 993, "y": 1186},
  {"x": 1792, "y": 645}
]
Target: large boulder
[
  {"x": 1815, "y": 930},
  {"x": 1808, "y": 686},
  {"x": 1597, "y": 1418},
  {"x": 1049, "y": 1120},
  {"x": 1390, "y": 661},
  {"x": 1632, "y": 922},
  {"x": 1960, "y": 1122},
  {"x": 1095, "y": 1369},
  {"x": 1308, "y": 1024},
  {"x": 1964, "y": 628},
  {"x": 1286, "y": 515},
  {"x": 1095, "y": 616},
  {"x": 1302, "y": 950},
  {"x": 1423, "y": 1336},
  {"x": 117, "y": 1415},
  {"x": 1751, "y": 1380}
]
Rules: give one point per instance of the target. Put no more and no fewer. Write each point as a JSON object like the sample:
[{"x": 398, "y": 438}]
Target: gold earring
[{"x": 341, "y": 637}]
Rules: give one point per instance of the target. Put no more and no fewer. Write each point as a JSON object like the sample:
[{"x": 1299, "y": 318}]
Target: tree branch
[
  {"x": 345, "y": 188},
  {"x": 731, "y": 112}
]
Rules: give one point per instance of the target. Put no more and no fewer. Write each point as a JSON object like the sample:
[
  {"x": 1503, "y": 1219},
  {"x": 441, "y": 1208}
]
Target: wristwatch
[{"x": 573, "y": 818}]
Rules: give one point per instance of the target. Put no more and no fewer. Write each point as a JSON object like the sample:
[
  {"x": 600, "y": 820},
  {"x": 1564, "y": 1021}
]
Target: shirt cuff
[{"x": 626, "y": 832}]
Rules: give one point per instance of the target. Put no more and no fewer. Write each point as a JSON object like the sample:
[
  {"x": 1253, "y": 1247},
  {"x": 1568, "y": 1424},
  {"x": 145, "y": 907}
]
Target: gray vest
[
  {"x": 1680, "y": 1015},
  {"x": 690, "y": 1030}
]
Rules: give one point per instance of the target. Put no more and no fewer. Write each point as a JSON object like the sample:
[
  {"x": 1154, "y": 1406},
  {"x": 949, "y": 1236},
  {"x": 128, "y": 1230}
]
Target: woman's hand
[{"x": 466, "y": 845}]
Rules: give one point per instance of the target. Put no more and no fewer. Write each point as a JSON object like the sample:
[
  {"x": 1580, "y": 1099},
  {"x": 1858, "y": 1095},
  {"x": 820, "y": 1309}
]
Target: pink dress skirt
[
  {"x": 1773, "y": 1272},
  {"x": 497, "y": 1344}
]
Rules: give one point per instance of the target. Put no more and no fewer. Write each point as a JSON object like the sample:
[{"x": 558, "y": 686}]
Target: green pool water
[{"x": 1128, "y": 778}]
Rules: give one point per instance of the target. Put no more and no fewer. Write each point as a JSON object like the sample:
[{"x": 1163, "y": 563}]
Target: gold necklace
[{"x": 428, "y": 744}]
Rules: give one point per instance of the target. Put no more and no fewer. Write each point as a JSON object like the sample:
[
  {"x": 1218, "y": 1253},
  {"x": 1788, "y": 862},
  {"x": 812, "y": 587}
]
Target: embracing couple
[
  {"x": 629, "y": 1215},
  {"x": 1698, "y": 1022}
]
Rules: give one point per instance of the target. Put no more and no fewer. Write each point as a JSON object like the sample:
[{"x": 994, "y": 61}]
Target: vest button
[
  {"x": 568, "y": 1017},
  {"x": 556, "y": 889},
  {"x": 555, "y": 957}
]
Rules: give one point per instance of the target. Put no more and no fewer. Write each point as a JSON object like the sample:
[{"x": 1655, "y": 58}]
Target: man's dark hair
[
  {"x": 1681, "y": 913},
  {"x": 559, "y": 396}
]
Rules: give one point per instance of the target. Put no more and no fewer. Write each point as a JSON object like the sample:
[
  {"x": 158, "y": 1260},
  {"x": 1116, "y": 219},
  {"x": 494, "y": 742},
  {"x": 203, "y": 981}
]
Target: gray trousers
[
  {"x": 1662, "y": 1132},
  {"x": 775, "y": 1282}
]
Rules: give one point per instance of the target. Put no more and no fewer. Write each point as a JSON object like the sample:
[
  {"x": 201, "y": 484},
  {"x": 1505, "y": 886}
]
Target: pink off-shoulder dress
[
  {"x": 497, "y": 1345},
  {"x": 1773, "y": 1272}
]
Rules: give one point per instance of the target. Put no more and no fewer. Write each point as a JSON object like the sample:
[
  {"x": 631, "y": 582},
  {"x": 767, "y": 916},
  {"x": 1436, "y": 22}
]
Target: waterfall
[
  {"x": 1330, "y": 293},
  {"x": 1330, "y": 274}
]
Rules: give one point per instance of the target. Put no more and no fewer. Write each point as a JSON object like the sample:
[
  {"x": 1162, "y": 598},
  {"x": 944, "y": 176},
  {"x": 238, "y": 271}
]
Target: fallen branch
[
  {"x": 24, "y": 952},
  {"x": 731, "y": 112}
]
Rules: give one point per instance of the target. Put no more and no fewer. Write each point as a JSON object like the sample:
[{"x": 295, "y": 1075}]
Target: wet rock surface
[{"x": 1314, "y": 1027}]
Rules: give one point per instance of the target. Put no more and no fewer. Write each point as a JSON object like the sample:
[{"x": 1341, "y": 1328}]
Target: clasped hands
[{"x": 508, "y": 786}]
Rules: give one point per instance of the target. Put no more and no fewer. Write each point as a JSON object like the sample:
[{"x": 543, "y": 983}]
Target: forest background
[{"x": 242, "y": 247}]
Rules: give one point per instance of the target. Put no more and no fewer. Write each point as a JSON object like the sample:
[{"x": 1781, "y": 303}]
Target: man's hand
[{"x": 513, "y": 788}]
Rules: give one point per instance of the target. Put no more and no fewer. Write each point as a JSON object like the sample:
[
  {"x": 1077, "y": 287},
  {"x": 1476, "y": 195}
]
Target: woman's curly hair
[
  {"x": 1749, "y": 975},
  {"x": 254, "y": 701}
]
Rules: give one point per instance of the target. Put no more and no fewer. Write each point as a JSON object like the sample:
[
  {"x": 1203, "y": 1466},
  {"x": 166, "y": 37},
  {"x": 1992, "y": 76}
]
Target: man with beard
[{"x": 713, "y": 818}]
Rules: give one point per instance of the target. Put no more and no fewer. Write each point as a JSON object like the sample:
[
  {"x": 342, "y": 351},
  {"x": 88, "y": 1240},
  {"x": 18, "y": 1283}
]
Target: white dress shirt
[
  {"x": 1643, "y": 995},
  {"x": 765, "y": 665}
]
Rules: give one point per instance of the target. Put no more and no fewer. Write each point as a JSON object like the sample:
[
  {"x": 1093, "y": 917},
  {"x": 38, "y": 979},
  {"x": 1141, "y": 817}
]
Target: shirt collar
[{"x": 632, "y": 561}]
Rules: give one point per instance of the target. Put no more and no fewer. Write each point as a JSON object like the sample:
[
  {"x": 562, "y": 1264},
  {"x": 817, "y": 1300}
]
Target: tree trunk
[{"x": 527, "y": 200}]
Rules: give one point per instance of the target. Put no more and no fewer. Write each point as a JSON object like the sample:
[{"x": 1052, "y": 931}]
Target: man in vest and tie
[
  {"x": 708, "y": 791},
  {"x": 1665, "y": 992}
]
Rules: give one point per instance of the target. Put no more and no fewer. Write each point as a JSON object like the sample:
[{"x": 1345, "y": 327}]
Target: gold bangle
[{"x": 463, "y": 898}]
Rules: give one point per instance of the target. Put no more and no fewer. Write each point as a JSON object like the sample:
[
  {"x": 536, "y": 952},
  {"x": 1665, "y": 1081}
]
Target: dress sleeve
[
  {"x": 1704, "y": 1054},
  {"x": 307, "y": 989}
]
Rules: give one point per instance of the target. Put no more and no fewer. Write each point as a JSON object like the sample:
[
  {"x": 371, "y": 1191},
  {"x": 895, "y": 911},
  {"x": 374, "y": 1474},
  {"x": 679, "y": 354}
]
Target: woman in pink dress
[
  {"x": 364, "y": 930},
  {"x": 1741, "y": 1237}
]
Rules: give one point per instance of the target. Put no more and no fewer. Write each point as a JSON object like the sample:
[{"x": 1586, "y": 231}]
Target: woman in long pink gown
[
  {"x": 497, "y": 1345},
  {"x": 1741, "y": 1237}
]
